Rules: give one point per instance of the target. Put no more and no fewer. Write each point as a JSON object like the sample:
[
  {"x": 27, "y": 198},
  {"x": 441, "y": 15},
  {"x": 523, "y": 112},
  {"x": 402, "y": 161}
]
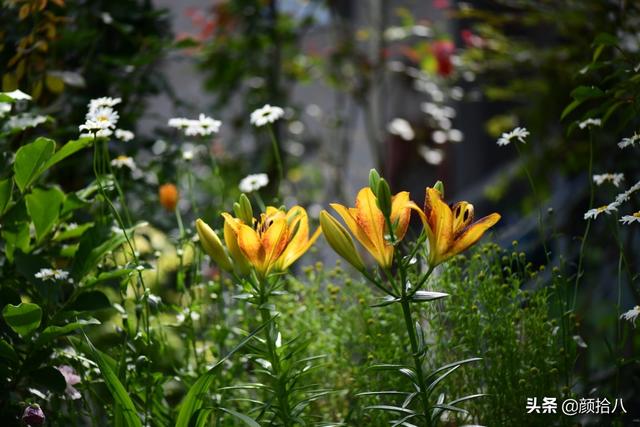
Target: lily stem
[
  {"x": 280, "y": 386},
  {"x": 415, "y": 350},
  {"x": 417, "y": 360}
]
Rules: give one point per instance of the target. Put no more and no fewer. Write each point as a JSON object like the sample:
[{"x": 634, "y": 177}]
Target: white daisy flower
[
  {"x": 614, "y": 178},
  {"x": 518, "y": 133},
  {"x": 629, "y": 142},
  {"x": 608, "y": 209},
  {"x": 104, "y": 101},
  {"x": 18, "y": 95},
  {"x": 178, "y": 122},
  {"x": 590, "y": 122},
  {"x": 122, "y": 161},
  {"x": 106, "y": 117},
  {"x": 629, "y": 219},
  {"x": 194, "y": 128},
  {"x": 24, "y": 121},
  {"x": 402, "y": 128},
  {"x": 187, "y": 155},
  {"x": 253, "y": 182},
  {"x": 632, "y": 315},
  {"x": 209, "y": 125},
  {"x": 5, "y": 108},
  {"x": 51, "y": 274},
  {"x": 266, "y": 114},
  {"x": 124, "y": 135}
]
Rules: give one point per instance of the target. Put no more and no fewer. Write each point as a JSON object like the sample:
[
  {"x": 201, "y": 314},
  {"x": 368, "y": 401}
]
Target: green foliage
[{"x": 23, "y": 318}]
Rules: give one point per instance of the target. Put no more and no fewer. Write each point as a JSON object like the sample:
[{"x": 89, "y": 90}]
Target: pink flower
[
  {"x": 33, "y": 415},
  {"x": 72, "y": 379}
]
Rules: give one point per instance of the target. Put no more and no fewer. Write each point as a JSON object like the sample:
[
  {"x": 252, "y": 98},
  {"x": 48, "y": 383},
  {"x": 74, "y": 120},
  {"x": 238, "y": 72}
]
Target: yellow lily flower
[
  {"x": 367, "y": 223},
  {"x": 451, "y": 230},
  {"x": 273, "y": 242}
]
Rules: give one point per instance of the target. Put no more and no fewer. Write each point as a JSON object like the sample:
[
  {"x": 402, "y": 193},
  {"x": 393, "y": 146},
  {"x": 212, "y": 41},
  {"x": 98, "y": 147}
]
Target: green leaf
[
  {"x": 23, "y": 318},
  {"x": 7, "y": 352},
  {"x": 390, "y": 408},
  {"x": 242, "y": 417},
  {"x": 423, "y": 296},
  {"x": 90, "y": 301},
  {"x": 44, "y": 209},
  {"x": 192, "y": 402},
  {"x": 126, "y": 408},
  {"x": 68, "y": 149},
  {"x": 582, "y": 93},
  {"x": 53, "y": 332},
  {"x": 606, "y": 39},
  {"x": 569, "y": 108},
  {"x": 16, "y": 237},
  {"x": 6, "y": 188},
  {"x": 30, "y": 161}
]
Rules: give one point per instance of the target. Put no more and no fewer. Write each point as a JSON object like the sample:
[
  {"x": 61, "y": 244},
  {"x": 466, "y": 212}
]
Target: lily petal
[
  {"x": 472, "y": 234},
  {"x": 251, "y": 246},
  {"x": 274, "y": 241},
  {"x": 440, "y": 225}
]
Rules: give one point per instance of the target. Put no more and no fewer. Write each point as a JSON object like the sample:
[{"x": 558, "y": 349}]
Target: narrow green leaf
[
  {"x": 30, "y": 161},
  {"x": 391, "y": 409},
  {"x": 119, "y": 393},
  {"x": 6, "y": 188},
  {"x": 23, "y": 318},
  {"x": 242, "y": 417},
  {"x": 194, "y": 398},
  {"x": 569, "y": 108},
  {"x": 424, "y": 296},
  {"x": 450, "y": 365},
  {"x": 44, "y": 209}
]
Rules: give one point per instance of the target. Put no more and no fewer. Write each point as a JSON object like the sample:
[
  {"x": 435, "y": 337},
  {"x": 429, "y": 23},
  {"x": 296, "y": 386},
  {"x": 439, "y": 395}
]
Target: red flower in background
[
  {"x": 443, "y": 50},
  {"x": 441, "y": 4},
  {"x": 470, "y": 39}
]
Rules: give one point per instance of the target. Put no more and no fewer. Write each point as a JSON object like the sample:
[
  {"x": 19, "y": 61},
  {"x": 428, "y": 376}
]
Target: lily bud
[
  {"x": 340, "y": 240},
  {"x": 243, "y": 209},
  {"x": 374, "y": 179},
  {"x": 212, "y": 245},
  {"x": 384, "y": 197},
  {"x": 440, "y": 187}
]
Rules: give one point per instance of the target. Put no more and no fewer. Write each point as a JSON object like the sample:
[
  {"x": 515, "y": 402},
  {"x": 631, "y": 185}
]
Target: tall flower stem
[
  {"x": 276, "y": 154},
  {"x": 271, "y": 331},
  {"x": 415, "y": 350}
]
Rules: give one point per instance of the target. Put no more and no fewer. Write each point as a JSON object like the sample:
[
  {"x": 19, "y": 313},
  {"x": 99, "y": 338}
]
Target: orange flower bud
[{"x": 168, "y": 196}]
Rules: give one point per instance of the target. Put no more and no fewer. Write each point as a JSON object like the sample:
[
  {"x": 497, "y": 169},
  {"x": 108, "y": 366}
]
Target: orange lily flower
[
  {"x": 273, "y": 242},
  {"x": 451, "y": 230},
  {"x": 367, "y": 223}
]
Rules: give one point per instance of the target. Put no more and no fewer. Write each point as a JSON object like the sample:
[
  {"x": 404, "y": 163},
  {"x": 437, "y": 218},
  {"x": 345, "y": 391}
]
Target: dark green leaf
[
  {"x": 569, "y": 108},
  {"x": 7, "y": 352},
  {"x": 30, "y": 161},
  {"x": 242, "y": 417},
  {"x": 90, "y": 301},
  {"x": 44, "y": 209},
  {"x": 53, "y": 332},
  {"x": 605, "y": 38},
  {"x": 6, "y": 188},
  {"x": 582, "y": 93},
  {"x": 120, "y": 396},
  {"x": 23, "y": 318}
]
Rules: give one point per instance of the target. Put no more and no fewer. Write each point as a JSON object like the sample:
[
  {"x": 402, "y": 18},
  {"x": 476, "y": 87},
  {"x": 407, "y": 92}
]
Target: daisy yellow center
[
  {"x": 637, "y": 214},
  {"x": 602, "y": 208}
]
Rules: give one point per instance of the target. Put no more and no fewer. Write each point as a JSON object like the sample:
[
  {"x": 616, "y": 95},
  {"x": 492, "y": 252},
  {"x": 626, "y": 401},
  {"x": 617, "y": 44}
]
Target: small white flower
[
  {"x": 608, "y": 209},
  {"x": 122, "y": 161},
  {"x": 5, "y": 108},
  {"x": 266, "y": 114},
  {"x": 18, "y": 95},
  {"x": 187, "y": 155},
  {"x": 590, "y": 122},
  {"x": 51, "y": 274},
  {"x": 395, "y": 33},
  {"x": 105, "y": 101},
  {"x": 105, "y": 117},
  {"x": 71, "y": 226},
  {"x": 253, "y": 182},
  {"x": 518, "y": 133},
  {"x": 629, "y": 142},
  {"x": 629, "y": 219},
  {"x": 24, "y": 121},
  {"x": 402, "y": 128},
  {"x": 614, "y": 178},
  {"x": 194, "y": 128},
  {"x": 632, "y": 315},
  {"x": 124, "y": 135},
  {"x": 178, "y": 122},
  {"x": 209, "y": 125}
]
